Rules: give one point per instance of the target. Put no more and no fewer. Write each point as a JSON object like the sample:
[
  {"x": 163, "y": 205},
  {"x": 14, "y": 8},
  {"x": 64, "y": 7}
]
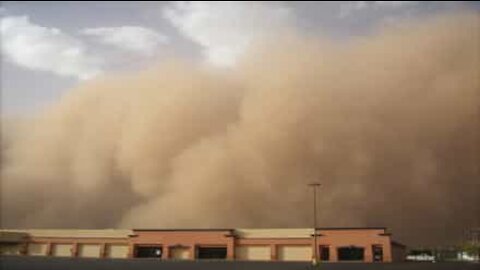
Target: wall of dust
[{"x": 389, "y": 124}]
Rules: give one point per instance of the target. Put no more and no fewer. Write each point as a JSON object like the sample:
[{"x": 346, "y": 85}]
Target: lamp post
[{"x": 315, "y": 252}]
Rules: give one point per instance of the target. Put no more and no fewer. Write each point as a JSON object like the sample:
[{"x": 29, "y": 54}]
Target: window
[
  {"x": 351, "y": 253},
  {"x": 148, "y": 252},
  {"x": 211, "y": 253}
]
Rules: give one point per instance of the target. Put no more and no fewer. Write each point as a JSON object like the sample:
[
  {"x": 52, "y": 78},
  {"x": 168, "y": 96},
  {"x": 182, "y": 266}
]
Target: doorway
[
  {"x": 324, "y": 253},
  {"x": 377, "y": 252}
]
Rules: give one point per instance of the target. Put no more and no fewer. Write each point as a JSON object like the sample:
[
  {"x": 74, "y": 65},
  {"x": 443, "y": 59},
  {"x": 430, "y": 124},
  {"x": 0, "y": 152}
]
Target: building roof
[
  {"x": 268, "y": 232},
  {"x": 274, "y": 233},
  {"x": 51, "y": 233},
  {"x": 351, "y": 228},
  {"x": 182, "y": 230},
  {"x": 231, "y": 229},
  {"x": 395, "y": 243},
  {"x": 12, "y": 237},
  {"x": 6, "y": 234}
]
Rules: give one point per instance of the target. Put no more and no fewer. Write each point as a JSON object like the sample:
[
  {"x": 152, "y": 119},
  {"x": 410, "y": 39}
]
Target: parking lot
[{"x": 33, "y": 263}]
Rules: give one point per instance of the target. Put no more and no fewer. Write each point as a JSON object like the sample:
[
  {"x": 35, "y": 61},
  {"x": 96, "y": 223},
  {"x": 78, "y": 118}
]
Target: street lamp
[{"x": 314, "y": 186}]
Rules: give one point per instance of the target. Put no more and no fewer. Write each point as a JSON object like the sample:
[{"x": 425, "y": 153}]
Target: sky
[{"x": 47, "y": 48}]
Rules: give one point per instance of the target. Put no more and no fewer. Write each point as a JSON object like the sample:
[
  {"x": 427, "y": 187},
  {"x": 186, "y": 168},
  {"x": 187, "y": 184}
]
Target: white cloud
[
  {"x": 46, "y": 49},
  {"x": 350, "y": 7},
  {"x": 130, "y": 38},
  {"x": 225, "y": 29}
]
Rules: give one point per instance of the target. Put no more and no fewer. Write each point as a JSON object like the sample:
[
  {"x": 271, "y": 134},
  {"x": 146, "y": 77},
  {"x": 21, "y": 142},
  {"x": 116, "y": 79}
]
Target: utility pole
[{"x": 315, "y": 253}]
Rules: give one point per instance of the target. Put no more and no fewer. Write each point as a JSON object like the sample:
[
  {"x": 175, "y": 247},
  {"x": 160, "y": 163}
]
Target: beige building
[{"x": 333, "y": 244}]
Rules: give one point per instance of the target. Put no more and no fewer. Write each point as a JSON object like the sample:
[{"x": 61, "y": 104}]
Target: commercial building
[{"x": 333, "y": 244}]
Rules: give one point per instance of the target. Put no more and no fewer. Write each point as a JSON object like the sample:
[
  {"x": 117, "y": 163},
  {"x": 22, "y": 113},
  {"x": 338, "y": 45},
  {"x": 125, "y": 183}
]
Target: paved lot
[{"x": 29, "y": 263}]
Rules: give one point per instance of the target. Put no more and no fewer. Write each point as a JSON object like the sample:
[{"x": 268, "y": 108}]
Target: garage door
[
  {"x": 62, "y": 250},
  {"x": 117, "y": 251},
  {"x": 37, "y": 249},
  {"x": 253, "y": 253},
  {"x": 294, "y": 253},
  {"x": 89, "y": 250},
  {"x": 180, "y": 253}
]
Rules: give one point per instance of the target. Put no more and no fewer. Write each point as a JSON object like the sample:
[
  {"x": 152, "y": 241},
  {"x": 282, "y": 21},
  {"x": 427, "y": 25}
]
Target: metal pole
[
  {"x": 315, "y": 185},
  {"x": 315, "y": 222}
]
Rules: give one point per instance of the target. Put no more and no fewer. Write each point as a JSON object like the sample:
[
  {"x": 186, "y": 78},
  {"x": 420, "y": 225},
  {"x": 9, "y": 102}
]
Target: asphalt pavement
[{"x": 49, "y": 263}]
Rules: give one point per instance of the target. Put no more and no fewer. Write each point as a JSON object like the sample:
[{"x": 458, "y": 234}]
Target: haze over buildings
[{"x": 229, "y": 110}]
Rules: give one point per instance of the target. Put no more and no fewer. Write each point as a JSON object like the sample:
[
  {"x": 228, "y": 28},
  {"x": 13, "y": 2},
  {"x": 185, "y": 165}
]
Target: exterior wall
[
  {"x": 241, "y": 244},
  {"x": 10, "y": 249},
  {"x": 12, "y": 236},
  {"x": 294, "y": 253},
  {"x": 89, "y": 250},
  {"x": 190, "y": 239},
  {"x": 399, "y": 253},
  {"x": 284, "y": 244},
  {"x": 12, "y": 243},
  {"x": 116, "y": 251},
  {"x": 48, "y": 246},
  {"x": 82, "y": 243},
  {"x": 253, "y": 253},
  {"x": 108, "y": 233},
  {"x": 62, "y": 250},
  {"x": 273, "y": 233},
  {"x": 37, "y": 249},
  {"x": 274, "y": 244},
  {"x": 337, "y": 238},
  {"x": 278, "y": 239},
  {"x": 180, "y": 253}
]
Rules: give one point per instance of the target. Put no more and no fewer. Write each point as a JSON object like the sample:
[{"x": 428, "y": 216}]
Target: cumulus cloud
[
  {"x": 226, "y": 29},
  {"x": 130, "y": 38},
  {"x": 46, "y": 49}
]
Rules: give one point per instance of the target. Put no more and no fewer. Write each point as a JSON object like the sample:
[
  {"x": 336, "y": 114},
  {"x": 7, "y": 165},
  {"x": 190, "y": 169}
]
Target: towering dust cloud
[{"x": 390, "y": 124}]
